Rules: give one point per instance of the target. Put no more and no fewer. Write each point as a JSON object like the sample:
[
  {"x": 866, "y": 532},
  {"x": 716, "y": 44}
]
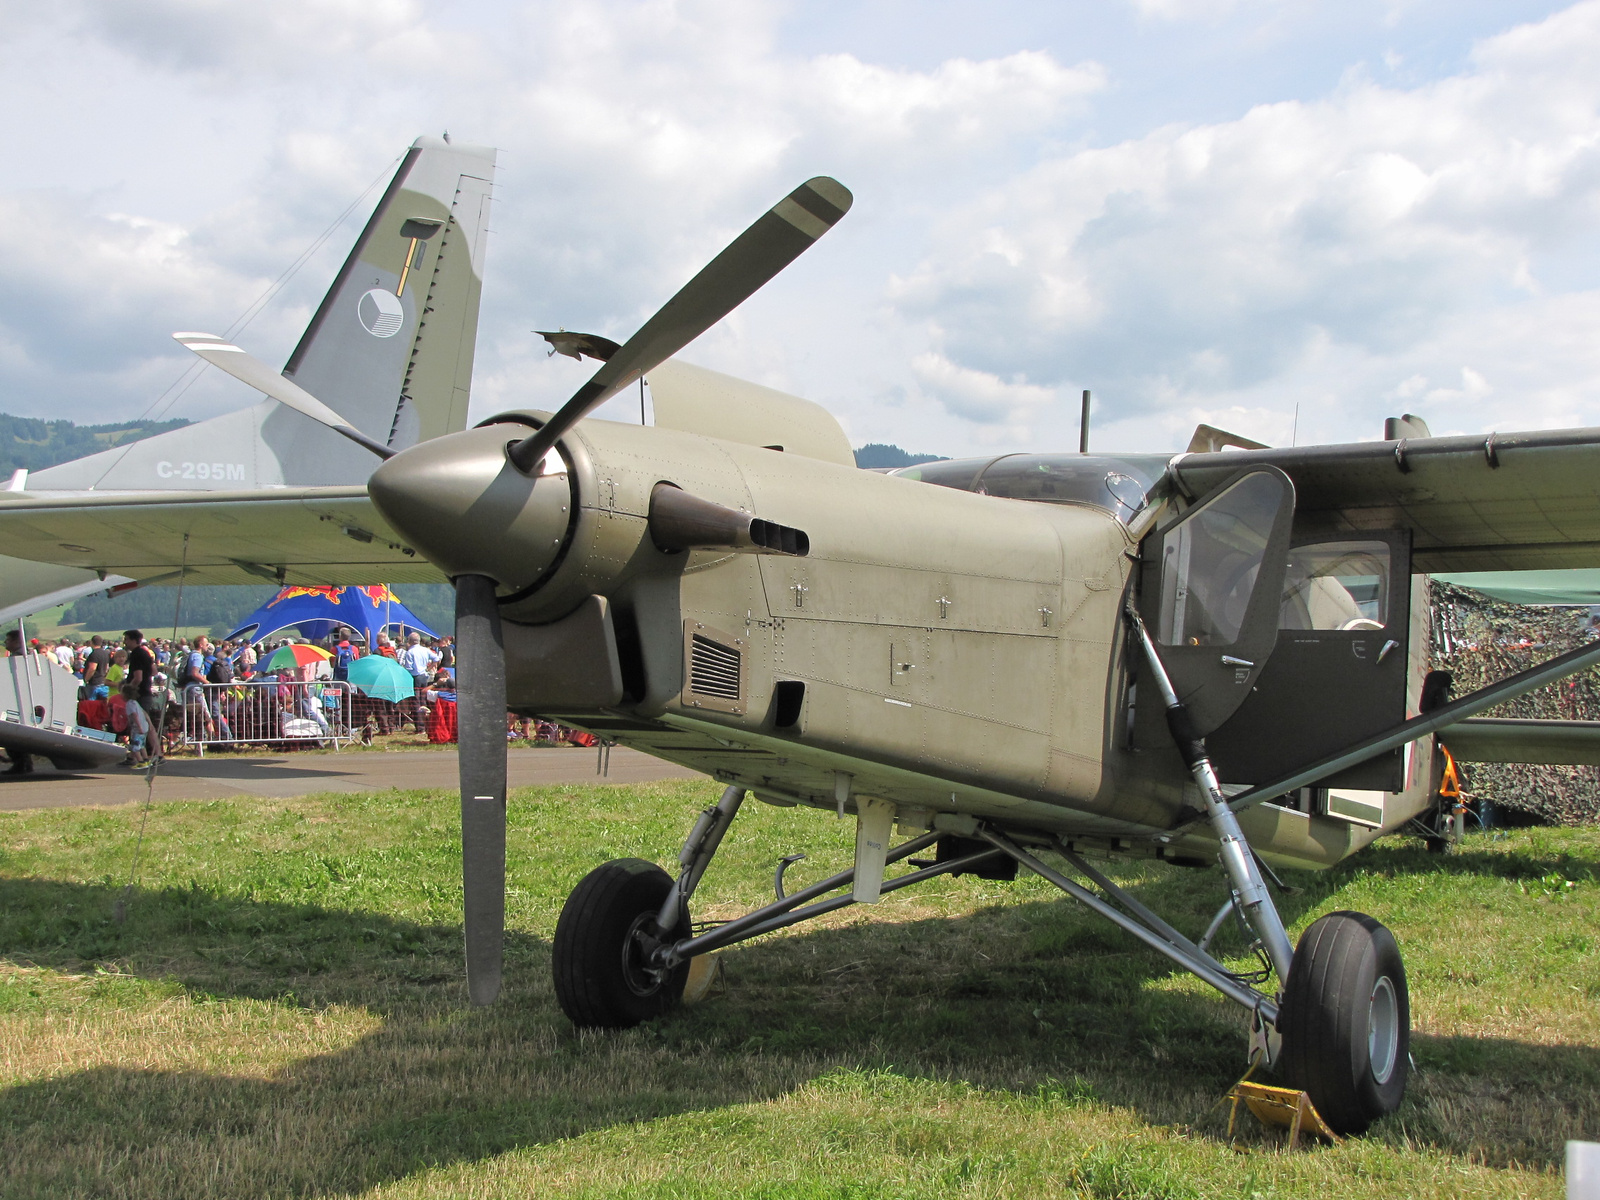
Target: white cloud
[
  {"x": 637, "y": 139},
  {"x": 980, "y": 396},
  {"x": 1352, "y": 254},
  {"x": 1222, "y": 260},
  {"x": 284, "y": 37},
  {"x": 100, "y": 279}
]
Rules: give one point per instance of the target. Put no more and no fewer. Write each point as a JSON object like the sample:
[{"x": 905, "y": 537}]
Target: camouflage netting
[{"x": 1481, "y": 640}]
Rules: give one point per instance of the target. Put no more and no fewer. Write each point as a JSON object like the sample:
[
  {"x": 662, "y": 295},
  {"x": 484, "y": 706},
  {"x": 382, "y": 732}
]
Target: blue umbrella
[{"x": 382, "y": 678}]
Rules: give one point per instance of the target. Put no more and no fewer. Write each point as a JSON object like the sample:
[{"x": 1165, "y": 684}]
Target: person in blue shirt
[{"x": 344, "y": 653}]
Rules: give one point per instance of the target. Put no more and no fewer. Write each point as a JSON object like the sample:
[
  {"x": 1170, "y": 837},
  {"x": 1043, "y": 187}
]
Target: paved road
[{"x": 219, "y": 775}]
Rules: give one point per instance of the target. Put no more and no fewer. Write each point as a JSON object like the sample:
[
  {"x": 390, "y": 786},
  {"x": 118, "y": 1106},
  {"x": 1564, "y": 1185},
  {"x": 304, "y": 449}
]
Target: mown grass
[{"x": 282, "y": 1014}]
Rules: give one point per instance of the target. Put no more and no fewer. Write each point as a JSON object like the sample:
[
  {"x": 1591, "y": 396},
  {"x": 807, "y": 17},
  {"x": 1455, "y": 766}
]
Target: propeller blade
[
  {"x": 248, "y": 369},
  {"x": 777, "y": 238},
  {"x": 481, "y": 724}
]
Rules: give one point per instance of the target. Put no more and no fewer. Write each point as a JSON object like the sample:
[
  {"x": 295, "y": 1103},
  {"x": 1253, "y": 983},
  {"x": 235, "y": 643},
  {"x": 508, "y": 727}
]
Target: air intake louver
[{"x": 715, "y": 669}]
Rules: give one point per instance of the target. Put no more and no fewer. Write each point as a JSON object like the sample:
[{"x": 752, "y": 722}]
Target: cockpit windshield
[{"x": 1117, "y": 484}]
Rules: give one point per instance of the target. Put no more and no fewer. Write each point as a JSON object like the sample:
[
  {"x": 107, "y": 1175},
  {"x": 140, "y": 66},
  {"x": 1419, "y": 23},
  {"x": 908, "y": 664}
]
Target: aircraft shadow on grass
[{"x": 1016, "y": 998}]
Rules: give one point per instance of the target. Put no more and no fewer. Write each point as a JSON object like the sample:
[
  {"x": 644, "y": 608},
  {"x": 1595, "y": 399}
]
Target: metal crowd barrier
[{"x": 268, "y": 712}]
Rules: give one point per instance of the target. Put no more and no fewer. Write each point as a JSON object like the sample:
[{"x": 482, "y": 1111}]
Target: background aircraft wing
[
  {"x": 1496, "y": 502},
  {"x": 322, "y": 535},
  {"x": 26, "y": 587}
]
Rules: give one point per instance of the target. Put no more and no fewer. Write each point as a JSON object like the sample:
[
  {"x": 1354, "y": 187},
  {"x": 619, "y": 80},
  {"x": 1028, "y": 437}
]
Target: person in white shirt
[{"x": 414, "y": 658}]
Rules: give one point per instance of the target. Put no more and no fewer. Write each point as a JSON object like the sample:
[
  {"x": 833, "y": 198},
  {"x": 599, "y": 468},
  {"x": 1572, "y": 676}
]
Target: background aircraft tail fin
[{"x": 390, "y": 348}]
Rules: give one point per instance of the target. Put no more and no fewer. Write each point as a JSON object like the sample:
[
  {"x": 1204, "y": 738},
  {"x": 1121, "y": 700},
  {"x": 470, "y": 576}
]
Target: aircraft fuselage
[{"x": 955, "y": 654}]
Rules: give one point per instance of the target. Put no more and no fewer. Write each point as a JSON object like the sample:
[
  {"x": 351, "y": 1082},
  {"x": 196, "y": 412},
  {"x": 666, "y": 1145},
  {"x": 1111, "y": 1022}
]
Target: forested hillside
[
  {"x": 151, "y": 608},
  {"x": 880, "y": 454},
  {"x": 35, "y": 444}
]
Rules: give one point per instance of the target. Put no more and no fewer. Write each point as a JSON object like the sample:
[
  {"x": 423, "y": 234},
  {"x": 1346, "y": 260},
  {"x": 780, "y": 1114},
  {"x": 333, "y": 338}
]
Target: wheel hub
[
  {"x": 638, "y": 948},
  {"x": 1383, "y": 1029}
]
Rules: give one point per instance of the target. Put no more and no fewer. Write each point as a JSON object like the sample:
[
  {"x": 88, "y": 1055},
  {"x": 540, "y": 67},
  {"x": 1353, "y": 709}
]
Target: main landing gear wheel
[
  {"x": 602, "y": 942},
  {"x": 1346, "y": 1021}
]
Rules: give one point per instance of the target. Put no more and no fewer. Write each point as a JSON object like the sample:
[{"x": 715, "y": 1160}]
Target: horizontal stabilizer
[
  {"x": 579, "y": 345},
  {"x": 389, "y": 349},
  {"x": 263, "y": 378},
  {"x": 30, "y": 587}
]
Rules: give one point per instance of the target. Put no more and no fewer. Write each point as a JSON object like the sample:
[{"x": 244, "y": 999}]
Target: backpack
[
  {"x": 194, "y": 668},
  {"x": 221, "y": 671},
  {"x": 344, "y": 654},
  {"x": 119, "y": 713}
]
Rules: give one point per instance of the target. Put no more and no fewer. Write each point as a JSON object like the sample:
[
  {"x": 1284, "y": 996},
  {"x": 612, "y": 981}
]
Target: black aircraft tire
[
  {"x": 598, "y": 977},
  {"x": 1345, "y": 1006}
]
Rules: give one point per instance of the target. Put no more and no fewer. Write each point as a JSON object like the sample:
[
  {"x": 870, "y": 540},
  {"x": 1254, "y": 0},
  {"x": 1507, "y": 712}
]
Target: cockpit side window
[
  {"x": 1210, "y": 560},
  {"x": 1336, "y": 585}
]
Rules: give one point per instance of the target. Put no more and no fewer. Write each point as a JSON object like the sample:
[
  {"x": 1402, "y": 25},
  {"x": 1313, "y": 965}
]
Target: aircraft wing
[
  {"x": 1497, "y": 502},
  {"x": 318, "y": 535}
]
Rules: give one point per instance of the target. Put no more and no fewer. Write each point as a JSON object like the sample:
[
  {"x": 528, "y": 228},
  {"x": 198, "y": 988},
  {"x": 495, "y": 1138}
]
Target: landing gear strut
[
  {"x": 624, "y": 944},
  {"x": 1344, "y": 1016}
]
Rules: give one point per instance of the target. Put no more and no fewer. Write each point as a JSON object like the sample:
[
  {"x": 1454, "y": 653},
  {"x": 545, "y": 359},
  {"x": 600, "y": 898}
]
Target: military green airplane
[{"x": 1043, "y": 661}]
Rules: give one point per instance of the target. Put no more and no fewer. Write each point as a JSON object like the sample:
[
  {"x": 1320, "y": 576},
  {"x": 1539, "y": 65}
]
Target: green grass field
[{"x": 282, "y": 1014}]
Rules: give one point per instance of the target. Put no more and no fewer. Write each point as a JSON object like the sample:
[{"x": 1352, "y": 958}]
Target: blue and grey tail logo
[{"x": 380, "y": 312}]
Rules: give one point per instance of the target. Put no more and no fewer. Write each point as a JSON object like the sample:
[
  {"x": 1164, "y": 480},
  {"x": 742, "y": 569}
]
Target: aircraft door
[
  {"x": 1339, "y": 671},
  {"x": 1209, "y": 593}
]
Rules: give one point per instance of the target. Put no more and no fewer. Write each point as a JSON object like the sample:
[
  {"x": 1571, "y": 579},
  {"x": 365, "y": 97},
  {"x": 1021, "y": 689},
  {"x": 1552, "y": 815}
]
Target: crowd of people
[{"x": 141, "y": 686}]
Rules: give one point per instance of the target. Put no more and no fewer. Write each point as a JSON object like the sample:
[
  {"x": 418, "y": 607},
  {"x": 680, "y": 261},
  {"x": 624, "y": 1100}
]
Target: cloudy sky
[{"x": 1222, "y": 210}]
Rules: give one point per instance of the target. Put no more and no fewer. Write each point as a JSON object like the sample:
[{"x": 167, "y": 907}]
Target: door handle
[
  {"x": 1229, "y": 660},
  {"x": 1391, "y": 644}
]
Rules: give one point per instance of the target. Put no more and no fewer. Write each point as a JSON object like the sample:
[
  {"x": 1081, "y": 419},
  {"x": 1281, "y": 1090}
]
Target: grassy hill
[{"x": 34, "y": 444}]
